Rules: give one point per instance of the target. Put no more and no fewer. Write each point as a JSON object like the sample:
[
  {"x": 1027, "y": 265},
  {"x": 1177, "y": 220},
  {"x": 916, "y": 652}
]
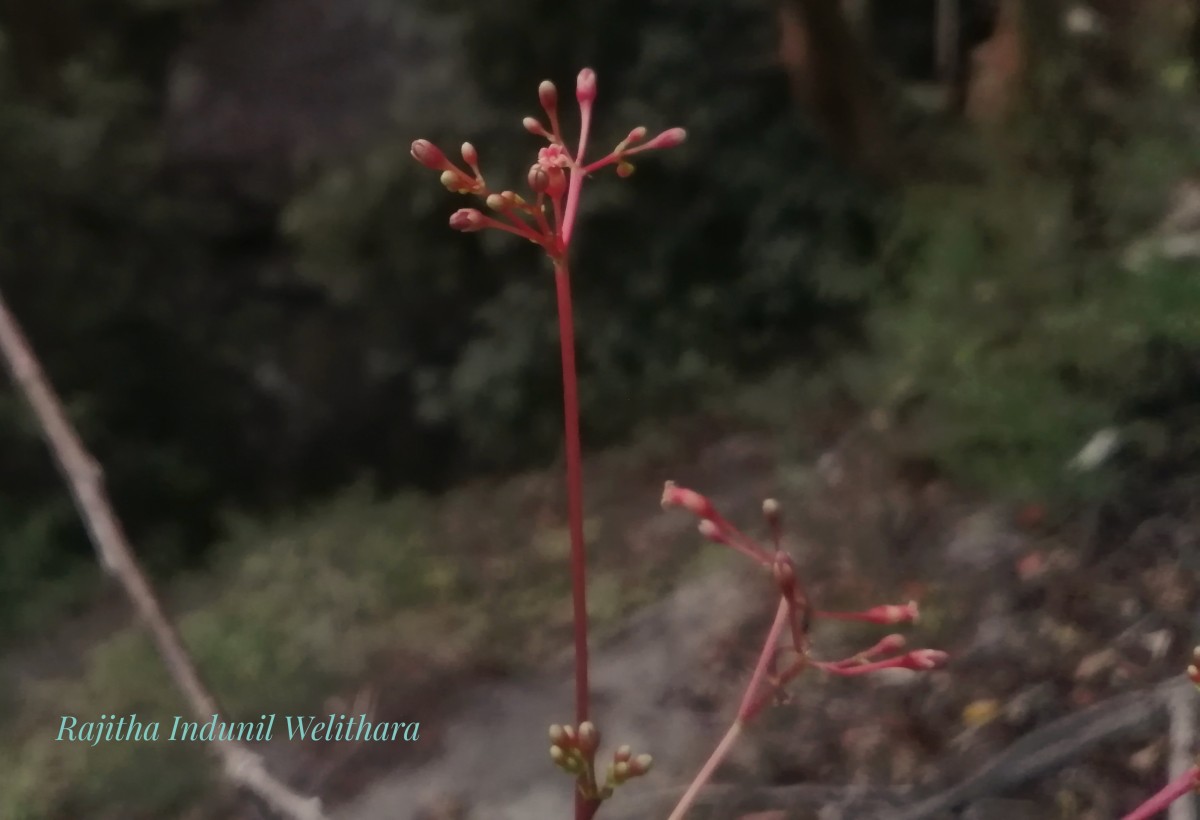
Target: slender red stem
[
  {"x": 746, "y": 713},
  {"x": 584, "y": 809},
  {"x": 566, "y": 330},
  {"x": 747, "y": 710},
  {"x": 575, "y": 185},
  {"x": 1168, "y": 795}
]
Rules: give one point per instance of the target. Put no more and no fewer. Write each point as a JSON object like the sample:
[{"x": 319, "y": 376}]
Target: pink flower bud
[
  {"x": 785, "y": 573},
  {"x": 554, "y": 156},
  {"x": 495, "y": 202},
  {"x": 636, "y": 135},
  {"x": 623, "y": 754},
  {"x": 429, "y": 155},
  {"x": 548, "y": 95},
  {"x": 711, "y": 531},
  {"x": 589, "y": 738},
  {"x": 923, "y": 659},
  {"x": 625, "y": 169},
  {"x": 690, "y": 500},
  {"x": 893, "y": 614},
  {"x": 919, "y": 660},
  {"x": 886, "y": 614},
  {"x": 534, "y": 127},
  {"x": 640, "y": 765},
  {"x": 585, "y": 86},
  {"x": 556, "y": 180},
  {"x": 667, "y": 139},
  {"x": 539, "y": 180},
  {"x": 470, "y": 155},
  {"x": 467, "y": 220},
  {"x": 456, "y": 182}
]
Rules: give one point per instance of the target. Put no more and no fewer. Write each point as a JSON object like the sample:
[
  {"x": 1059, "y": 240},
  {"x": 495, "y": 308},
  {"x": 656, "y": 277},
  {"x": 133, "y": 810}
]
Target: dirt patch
[{"x": 1051, "y": 707}]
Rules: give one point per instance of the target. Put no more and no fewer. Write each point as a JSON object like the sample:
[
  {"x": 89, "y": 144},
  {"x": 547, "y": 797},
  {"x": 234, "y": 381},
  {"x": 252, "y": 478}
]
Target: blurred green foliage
[
  {"x": 225, "y": 347},
  {"x": 223, "y": 342},
  {"x": 221, "y": 346},
  {"x": 1036, "y": 302},
  {"x": 692, "y": 274}
]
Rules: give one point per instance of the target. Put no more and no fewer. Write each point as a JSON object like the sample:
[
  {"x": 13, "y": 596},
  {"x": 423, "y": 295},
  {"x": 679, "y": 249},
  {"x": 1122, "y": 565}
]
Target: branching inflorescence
[
  {"x": 547, "y": 218},
  {"x": 778, "y": 664},
  {"x": 555, "y": 179}
]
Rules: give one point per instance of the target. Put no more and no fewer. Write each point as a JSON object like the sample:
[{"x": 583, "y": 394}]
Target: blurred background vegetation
[
  {"x": 247, "y": 293},
  {"x": 978, "y": 230}
]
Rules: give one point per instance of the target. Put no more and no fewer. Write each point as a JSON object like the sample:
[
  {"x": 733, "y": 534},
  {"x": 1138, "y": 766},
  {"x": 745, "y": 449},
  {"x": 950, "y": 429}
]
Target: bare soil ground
[{"x": 1054, "y": 704}]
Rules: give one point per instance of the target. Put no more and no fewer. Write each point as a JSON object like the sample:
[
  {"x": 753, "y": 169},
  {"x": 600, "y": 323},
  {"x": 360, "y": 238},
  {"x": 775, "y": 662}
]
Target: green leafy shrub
[{"x": 1035, "y": 309}]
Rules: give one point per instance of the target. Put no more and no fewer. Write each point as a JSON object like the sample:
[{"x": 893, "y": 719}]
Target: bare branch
[{"x": 86, "y": 482}]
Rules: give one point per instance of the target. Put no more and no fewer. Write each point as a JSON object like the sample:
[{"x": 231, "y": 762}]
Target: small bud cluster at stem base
[{"x": 574, "y": 751}]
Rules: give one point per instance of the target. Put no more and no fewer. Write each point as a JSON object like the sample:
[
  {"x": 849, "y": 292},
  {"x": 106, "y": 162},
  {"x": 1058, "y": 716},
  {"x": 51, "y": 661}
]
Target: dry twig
[{"x": 86, "y": 482}]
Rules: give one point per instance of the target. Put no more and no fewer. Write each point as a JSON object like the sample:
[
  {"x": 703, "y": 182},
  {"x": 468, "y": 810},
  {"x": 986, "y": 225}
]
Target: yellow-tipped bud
[
  {"x": 620, "y": 772},
  {"x": 548, "y": 95},
  {"x": 470, "y": 155},
  {"x": 589, "y": 738},
  {"x": 640, "y": 765}
]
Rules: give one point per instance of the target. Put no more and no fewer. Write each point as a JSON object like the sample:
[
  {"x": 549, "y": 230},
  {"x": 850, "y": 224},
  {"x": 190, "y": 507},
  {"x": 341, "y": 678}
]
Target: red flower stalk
[
  {"x": 556, "y": 181},
  {"x": 1160, "y": 802},
  {"x": 886, "y": 614}
]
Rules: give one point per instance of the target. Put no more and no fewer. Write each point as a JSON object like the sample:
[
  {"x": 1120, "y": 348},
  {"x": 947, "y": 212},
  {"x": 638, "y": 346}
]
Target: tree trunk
[{"x": 834, "y": 77}]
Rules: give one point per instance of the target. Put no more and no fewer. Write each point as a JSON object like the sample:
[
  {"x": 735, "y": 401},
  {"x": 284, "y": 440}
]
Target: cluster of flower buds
[
  {"x": 626, "y": 766},
  {"x": 554, "y": 179},
  {"x": 887, "y": 654},
  {"x": 574, "y": 751}
]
